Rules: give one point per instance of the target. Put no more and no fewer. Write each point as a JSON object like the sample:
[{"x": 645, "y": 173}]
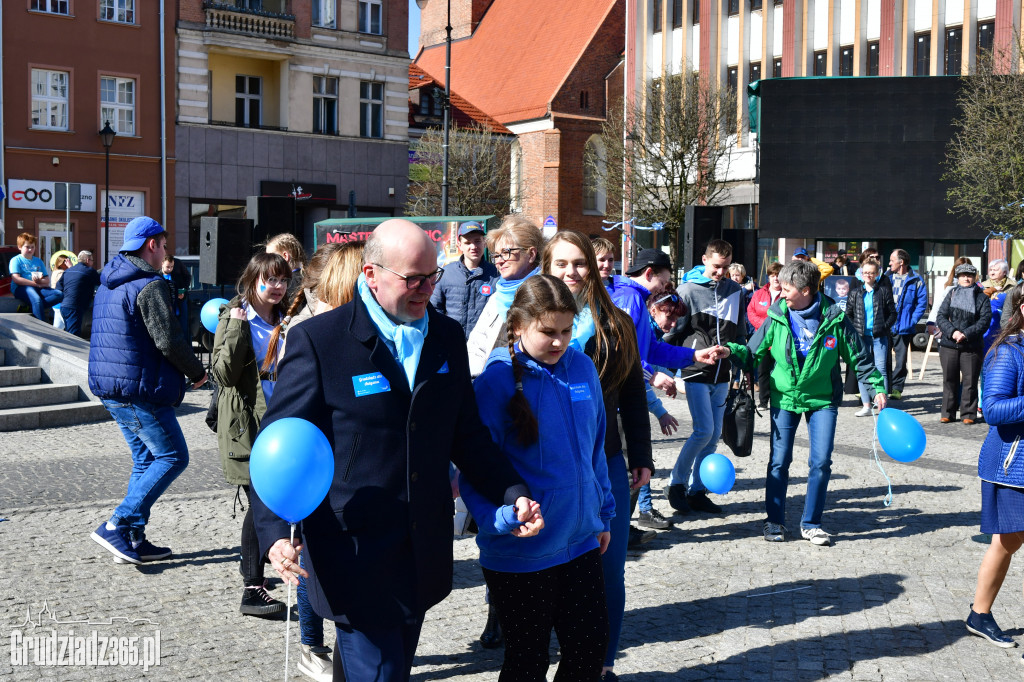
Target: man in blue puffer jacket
[
  {"x": 138, "y": 363},
  {"x": 468, "y": 282},
  {"x": 911, "y": 297}
]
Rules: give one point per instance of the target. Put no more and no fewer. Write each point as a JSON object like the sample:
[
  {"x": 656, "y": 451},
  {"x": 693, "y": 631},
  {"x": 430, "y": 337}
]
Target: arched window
[
  {"x": 594, "y": 170},
  {"x": 516, "y": 179}
]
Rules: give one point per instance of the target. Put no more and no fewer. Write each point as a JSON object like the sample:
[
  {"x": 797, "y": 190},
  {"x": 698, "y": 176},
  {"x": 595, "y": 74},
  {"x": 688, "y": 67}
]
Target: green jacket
[
  {"x": 818, "y": 383},
  {"x": 240, "y": 402}
]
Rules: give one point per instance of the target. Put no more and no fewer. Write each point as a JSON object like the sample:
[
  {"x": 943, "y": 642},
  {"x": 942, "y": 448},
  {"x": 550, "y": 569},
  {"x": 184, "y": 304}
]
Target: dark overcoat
[{"x": 379, "y": 548}]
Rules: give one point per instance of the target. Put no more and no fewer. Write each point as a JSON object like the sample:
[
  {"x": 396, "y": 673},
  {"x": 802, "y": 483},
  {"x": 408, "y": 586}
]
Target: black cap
[{"x": 650, "y": 258}]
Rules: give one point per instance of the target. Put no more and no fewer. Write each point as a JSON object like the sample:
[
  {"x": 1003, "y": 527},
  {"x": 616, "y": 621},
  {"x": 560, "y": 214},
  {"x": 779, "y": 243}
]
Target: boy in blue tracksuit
[{"x": 554, "y": 580}]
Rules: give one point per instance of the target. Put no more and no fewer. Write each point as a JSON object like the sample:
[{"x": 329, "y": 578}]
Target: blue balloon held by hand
[
  {"x": 717, "y": 473},
  {"x": 210, "y": 312},
  {"x": 291, "y": 467},
  {"x": 900, "y": 435}
]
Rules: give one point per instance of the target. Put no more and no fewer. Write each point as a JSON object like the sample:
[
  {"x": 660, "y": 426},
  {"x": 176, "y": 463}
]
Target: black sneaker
[
  {"x": 700, "y": 502},
  {"x": 639, "y": 537},
  {"x": 653, "y": 519},
  {"x": 677, "y": 498},
  {"x": 256, "y": 602}
]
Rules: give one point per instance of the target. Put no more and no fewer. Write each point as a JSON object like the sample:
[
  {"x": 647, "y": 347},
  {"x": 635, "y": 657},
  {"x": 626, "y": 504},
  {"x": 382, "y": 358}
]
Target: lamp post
[
  {"x": 447, "y": 107},
  {"x": 107, "y": 137}
]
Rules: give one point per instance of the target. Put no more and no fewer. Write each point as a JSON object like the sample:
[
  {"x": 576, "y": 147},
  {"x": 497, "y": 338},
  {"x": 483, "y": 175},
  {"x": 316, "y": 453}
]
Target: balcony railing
[{"x": 256, "y": 22}]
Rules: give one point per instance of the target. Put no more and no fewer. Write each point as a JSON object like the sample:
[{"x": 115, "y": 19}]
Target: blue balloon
[
  {"x": 717, "y": 473},
  {"x": 291, "y": 467},
  {"x": 900, "y": 435},
  {"x": 210, "y": 313}
]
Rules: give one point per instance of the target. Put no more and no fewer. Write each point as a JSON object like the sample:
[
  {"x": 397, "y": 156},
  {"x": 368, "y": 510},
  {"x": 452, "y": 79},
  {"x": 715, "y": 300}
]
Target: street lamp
[{"x": 107, "y": 137}]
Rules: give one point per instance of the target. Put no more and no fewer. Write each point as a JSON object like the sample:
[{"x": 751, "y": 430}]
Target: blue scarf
[
  {"x": 505, "y": 291},
  {"x": 405, "y": 341},
  {"x": 583, "y": 329},
  {"x": 804, "y": 324}
]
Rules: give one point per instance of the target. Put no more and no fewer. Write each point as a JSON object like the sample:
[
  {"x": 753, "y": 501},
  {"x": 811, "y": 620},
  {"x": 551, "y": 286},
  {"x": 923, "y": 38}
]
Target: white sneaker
[
  {"x": 316, "y": 664},
  {"x": 774, "y": 532},
  {"x": 864, "y": 412},
  {"x": 816, "y": 536}
]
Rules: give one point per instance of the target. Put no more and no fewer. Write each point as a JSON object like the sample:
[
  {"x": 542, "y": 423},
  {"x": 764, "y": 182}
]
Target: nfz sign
[{"x": 45, "y": 195}]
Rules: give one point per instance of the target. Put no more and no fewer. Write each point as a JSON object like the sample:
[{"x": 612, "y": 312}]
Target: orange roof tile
[
  {"x": 464, "y": 113},
  {"x": 519, "y": 56}
]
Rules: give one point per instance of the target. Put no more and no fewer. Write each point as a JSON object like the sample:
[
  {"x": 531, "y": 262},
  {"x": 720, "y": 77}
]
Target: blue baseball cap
[
  {"x": 801, "y": 252},
  {"x": 469, "y": 227},
  {"x": 138, "y": 231}
]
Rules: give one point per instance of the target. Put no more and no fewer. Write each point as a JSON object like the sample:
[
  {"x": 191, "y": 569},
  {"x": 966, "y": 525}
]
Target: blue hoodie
[
  {"x": 632, "y": 298},
  {"x": 566, "y": 469}
]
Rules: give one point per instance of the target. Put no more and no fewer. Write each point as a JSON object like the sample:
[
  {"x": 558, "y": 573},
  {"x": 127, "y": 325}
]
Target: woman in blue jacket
[
  {"x": 553, "y": 580},
  {"x": 1001, "y": 469}
]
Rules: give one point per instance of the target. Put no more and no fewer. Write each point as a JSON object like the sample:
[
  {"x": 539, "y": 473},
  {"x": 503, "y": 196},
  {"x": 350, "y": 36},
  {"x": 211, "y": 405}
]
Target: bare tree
[
  {"x": 668, "y": 152},
  {"x": 985, "y": 158},
  {"x": 479, "y": 174}
]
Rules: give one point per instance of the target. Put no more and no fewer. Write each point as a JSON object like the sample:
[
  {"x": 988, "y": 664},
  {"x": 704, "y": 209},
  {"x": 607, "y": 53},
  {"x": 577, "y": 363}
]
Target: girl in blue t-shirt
[
  {"x": 244, "y": 390},
  {"x": 554, "y": 580}
]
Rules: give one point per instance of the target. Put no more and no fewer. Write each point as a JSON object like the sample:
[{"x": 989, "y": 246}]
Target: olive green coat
[{"x": 240, "y": 402}]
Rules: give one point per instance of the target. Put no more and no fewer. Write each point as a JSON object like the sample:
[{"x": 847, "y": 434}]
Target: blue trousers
[
  {"x": 159, "y": 455},
  {"x": 878, "y": 349},
  {"x": 377, "y": 654},
  {"x": 707, "y": 408},
  {"x": 39, "y": 299},
  {"x": 644, "y": 500},
  {"x": 614, "y": 558},
  {"x": 311, "y": 625},
  {"x": 821, "y": 428}
]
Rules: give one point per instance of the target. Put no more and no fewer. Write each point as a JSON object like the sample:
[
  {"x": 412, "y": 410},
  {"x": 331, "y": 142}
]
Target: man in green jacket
[{"x": 805, "y": 333}]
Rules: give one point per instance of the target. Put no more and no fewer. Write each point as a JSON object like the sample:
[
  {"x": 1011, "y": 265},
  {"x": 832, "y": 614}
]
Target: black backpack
[{"x": 738, "y": 421}]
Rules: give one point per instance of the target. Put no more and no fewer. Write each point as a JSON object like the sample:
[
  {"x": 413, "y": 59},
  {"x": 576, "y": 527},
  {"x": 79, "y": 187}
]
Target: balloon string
[
  {"x": 288, "y": 615},
  {"x": 878, "y": 461}
]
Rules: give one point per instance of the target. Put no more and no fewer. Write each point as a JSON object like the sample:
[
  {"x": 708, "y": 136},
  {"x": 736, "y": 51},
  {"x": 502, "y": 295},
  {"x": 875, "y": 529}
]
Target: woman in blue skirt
[{"x": 1001, "y": 468}]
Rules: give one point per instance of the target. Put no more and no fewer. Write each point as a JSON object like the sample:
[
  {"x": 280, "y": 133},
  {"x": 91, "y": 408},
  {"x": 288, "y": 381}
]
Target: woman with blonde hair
[
  {"x": 288, "y": 246},
  {"x": 516, "y": 249}
]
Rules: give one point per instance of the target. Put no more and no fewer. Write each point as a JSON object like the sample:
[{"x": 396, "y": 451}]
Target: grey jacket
[{"x": 462, "y": 293}]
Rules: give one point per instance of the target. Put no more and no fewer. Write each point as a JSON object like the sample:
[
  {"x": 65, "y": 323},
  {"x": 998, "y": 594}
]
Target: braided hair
[{"x": 537, "y": 296}]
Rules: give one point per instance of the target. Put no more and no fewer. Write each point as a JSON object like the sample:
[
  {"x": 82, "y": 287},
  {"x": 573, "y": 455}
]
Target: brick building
[
  {"x": 290, "y": 97},
  {"x": 69, "y": 66},
  {"x": 541, "y": 69}
]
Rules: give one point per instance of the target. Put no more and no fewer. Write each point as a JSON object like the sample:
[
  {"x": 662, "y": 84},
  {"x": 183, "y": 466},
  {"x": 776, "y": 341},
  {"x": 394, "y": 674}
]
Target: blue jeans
[
  {"x": 39, "y": 299},
  {"x": 644, "y": 501},
  {"x": 311, "y": 625},
  {"x": 614, "y": 558},
  {"x": 377, "y": 653},
  {"x": 707, "y": 408},
  {"x": 72, "y": 320},
  {"x": 821, "y": 428},
  {"x": 878, "y": 349},
  {"x": 159, "y": 455}
]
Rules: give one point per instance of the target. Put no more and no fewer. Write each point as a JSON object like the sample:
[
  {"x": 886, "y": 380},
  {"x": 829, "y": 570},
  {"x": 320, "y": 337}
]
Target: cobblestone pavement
[{"x": 708, "y": 599}]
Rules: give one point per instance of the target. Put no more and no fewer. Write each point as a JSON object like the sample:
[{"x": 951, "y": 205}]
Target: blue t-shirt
[
  {"x": 260, "y": 330},
  {"x": 869, "y": 311},
  {"x": 24, "y": 267}
]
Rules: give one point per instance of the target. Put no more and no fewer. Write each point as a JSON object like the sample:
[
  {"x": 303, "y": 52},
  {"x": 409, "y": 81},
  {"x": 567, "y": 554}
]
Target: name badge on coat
[{"x": 368, "y": 384}]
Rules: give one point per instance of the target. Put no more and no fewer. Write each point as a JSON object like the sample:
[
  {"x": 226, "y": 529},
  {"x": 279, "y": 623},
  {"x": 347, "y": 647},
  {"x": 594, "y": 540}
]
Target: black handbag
[
  {"x": 212, "y": 411},
  {"x": 738, "y": 421}
]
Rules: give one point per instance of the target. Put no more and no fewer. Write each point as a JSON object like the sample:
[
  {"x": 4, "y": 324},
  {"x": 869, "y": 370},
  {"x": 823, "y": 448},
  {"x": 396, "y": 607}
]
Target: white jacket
[{"x": 484, "y": 336}]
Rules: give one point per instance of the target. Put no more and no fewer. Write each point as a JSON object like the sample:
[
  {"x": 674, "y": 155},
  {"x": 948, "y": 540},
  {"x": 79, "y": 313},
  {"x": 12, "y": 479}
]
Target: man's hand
[
  {"x": 605, "y": 539},
  {"x": 528, "y": 513},
  {"x": 880, "y": 401},
  {"x": 641, "y": 477},
  {"x": 202, "y": 380},
  {"x": 284, "y": 557},
  {"x": 710, "y": 356},
  {"x": 669, "y": 424},
  {"x": 959, "y": 336},
  {"x": 665, "y": 383}
]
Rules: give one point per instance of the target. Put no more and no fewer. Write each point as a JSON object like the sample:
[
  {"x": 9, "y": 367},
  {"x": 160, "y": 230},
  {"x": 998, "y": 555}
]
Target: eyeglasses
[
  {"x": 277, "y": 281},
  {"x": 416, "y": 281},
  {"x": 506, "y": 254}
]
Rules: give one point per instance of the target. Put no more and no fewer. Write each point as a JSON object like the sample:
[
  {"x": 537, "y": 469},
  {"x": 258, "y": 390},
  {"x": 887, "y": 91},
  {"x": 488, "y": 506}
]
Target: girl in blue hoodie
[{"x": 555, "y": 579}]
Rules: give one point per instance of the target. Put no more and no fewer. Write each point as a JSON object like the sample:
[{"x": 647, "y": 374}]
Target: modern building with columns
[{"x": 736, "y": 42}]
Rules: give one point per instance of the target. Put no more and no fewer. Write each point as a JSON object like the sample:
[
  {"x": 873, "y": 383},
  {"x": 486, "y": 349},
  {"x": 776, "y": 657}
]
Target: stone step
[
  {"x": 19, "y": 376},
  {"x": 37, "y": 394},
  {"x": 41, "y": 417}
]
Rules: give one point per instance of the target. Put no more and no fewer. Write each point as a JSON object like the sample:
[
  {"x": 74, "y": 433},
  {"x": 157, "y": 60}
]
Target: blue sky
[{"x": 414, "y": 28}]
